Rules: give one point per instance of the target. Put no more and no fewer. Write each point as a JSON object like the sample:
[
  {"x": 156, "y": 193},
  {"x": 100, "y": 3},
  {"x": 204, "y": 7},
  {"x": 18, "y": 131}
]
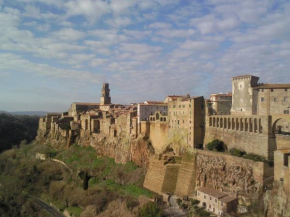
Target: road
[{"x": 47, "y": 207}]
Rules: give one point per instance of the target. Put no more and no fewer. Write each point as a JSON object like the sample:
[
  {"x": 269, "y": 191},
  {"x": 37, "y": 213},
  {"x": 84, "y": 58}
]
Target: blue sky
[{"x": 54, "y": 52}]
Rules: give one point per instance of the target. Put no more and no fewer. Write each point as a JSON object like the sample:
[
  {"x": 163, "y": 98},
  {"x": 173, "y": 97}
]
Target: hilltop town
[{"x": 227, "y": 151}]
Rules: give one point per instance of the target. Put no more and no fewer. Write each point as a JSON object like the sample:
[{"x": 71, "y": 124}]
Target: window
[
  {"x": 262, "y": 99},
  {"x": 262, "y": 90},
  {"x": 272, "y": 90},
  {"x": 286, "y": 89},
  {"x": 286, "y": 112},
  {"x": 173, "y": 106},
  {"x": 210, "y": 206},
  {"x": 275, "y": 99},
  {"x": 178, "y": 122}
]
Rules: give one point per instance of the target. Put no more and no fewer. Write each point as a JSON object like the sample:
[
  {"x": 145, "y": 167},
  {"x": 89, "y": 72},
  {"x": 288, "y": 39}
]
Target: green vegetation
[
  {"x": 237, "y": 152},
  {"x": 76, "y": 211},
  {"x": 194, "y": 202},
  {"x": 254, "y": 157},
  {"x": 216, "y": 145},
  {"x": 150, "y": 210},
  {"x": 16, "y": 130},
  {"x": 21, "y": 173}
]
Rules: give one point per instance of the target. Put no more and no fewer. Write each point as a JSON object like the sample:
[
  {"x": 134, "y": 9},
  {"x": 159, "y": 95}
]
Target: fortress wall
[
  {"x": 282, "y": 141},
  {"x": 170, "y": 178},
  {"x": 186, "y": 176},
  {"x": 158, "y": 135},
  {"x": 230, "y": 173},
  {"x": 250, "y": 134},
  {"x": 155, "y": 175}
]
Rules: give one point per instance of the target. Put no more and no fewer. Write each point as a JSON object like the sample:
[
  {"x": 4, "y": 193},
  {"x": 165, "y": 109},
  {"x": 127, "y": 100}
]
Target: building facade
[{"x": 221, "y": 103}]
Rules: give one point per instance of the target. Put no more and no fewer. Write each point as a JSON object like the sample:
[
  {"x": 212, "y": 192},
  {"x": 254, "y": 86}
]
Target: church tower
[{"x": 105, "y": 98}]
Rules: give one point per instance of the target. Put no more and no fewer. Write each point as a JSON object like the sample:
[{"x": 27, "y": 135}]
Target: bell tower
[{"x": 105, "y": 98}]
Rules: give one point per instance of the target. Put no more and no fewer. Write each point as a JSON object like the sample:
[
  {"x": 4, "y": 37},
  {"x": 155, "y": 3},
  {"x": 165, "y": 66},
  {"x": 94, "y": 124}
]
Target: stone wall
[
  {"x": 229, "y": 173},
  {"x": 158, "y": 135},
  {"x": 186, "y": 176},
  {"x": 216, "y": 170},
  {"x": 251, "y": 134},
  {"x": 155, "y": 175}
]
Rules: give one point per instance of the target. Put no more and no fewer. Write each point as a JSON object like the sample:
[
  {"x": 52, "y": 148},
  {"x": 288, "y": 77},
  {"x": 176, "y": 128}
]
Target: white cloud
[
  {"x": 91, "y": 9},
  {"x": 8, "y": 61},
  {"x": 69, "y": 34},
  {"x": 160, "y": 25},
  {"x": 121, "y": 6},
  {"x": 176, "y": 33},
  {"x": 119, "y": 21},
  {"x": 198, "y": 45}
]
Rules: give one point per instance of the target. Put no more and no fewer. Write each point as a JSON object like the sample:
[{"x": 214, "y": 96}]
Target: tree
[{"x": 150, "y": 210}]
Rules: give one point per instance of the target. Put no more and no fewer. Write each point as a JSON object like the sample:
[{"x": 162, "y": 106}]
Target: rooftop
[
  {"x": 212, "y": 192},
  {"x": 85, "y": 103},
  {"x": 243, "y": 76},
  {"x": 273, "y": 86}
]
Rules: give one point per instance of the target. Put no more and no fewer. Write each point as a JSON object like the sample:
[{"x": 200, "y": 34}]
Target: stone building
[
  {"x": 252, "y": 98},
  {"x": 148, "y": 108},
  {"x": 186, "y": 117},
  {"x": 221, "y": 103},
  {"x": 259, "y": 122},
  {"x": 105, "y": 98},
  {"x": 282, "y": 168},
  {"x": 217, "y": 202}
]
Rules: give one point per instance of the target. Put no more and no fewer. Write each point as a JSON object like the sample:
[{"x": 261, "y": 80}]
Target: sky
[{"x": 55, "y": 52}]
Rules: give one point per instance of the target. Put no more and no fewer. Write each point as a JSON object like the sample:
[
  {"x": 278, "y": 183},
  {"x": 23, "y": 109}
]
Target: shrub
[
  {"x": 184, "y": 206},
  {"x": 216, "y": 145},
  {"x": 150, "y": 210},
  {"x": 254, "y": 157},
  {"x": 203, "y": 213},
  {"x": 194, "y": 202},
  {"x": 237, "y": 152},
  {"x": 178, "y": 200}
]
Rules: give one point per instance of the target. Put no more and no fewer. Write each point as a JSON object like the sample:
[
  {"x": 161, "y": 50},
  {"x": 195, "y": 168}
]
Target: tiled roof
[
  {"x": 212, "y": 192},
  {"x": 227, "y": 199},
  {"x": 242, "y": 76},
  {"x": 85, "y": 103},
  {"x": 273, "y": 86}
]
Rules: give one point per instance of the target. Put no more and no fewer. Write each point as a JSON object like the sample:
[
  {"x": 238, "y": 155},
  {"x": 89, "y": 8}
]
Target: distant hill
[
  {"x": 15, "y": 129},
  {"x": 29, "y": 113}
]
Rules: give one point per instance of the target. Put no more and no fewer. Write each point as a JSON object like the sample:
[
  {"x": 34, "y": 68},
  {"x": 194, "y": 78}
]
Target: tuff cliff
[
  {"x": 121, "y": 148},
  {"x": 276, "y": 202}
]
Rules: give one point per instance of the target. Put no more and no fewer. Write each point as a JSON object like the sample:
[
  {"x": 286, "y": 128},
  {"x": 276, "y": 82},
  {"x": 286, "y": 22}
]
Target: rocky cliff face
[
  {"x": 121, "y": 148},
  {"x": 276, "y": 202}
]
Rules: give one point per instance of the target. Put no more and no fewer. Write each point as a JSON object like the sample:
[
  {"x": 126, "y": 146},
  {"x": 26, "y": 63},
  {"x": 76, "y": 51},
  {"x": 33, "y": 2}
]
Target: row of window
[
  {"x": 183, "y": 106},
  {"x": 272, "y": 90},
  {"x": 285, "y": 99},
  {"x": 179, "y": 113}
]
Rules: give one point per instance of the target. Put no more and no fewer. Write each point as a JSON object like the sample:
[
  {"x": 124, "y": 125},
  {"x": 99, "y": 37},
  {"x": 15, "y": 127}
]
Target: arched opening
[
  {"x": 225, "y": 123},
  {"x": 229, "y": 123},
  {"x": 164, "y": 119},
  {"x": 86, "y": 124},
  {"x": 237, "y": 124},
  {"x": 241, "y": 124},
  {"x": 214, "y": 122},
  {"x": 233, "y": 123},
  {"x": 260, "y": 126},
  {"x": 281, "y": 126},
  {"x": 161, "y": 119},
  {"x": 246, "y": 125},
  {"x": 157, "y": 116},
  {"x": 255, "y": 125},
  {"x": 221, "y": 125},
  {"x": 218, "y": 122},
  {"x": 250, "y": 125},
  {"x": 210, "y": 121}
]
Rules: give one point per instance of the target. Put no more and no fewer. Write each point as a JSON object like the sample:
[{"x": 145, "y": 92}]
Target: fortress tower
[
  {"x": 105, "y": 98},
  {"x": 244, "y": 99}
]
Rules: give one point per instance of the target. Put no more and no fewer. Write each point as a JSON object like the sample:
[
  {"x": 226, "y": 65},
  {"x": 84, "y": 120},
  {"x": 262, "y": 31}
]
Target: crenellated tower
[{"x": 105, "y": 98}]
